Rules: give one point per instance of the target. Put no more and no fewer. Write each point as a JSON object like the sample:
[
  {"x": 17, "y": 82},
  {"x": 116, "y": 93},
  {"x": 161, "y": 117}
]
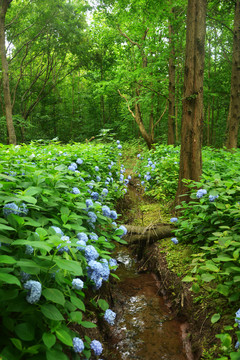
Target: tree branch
[
  {"x": 166, "y": 106},
  {"x": 124, "y": 97}
]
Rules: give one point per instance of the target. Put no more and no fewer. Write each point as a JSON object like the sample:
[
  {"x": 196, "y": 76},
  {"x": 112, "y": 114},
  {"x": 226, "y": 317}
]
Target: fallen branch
[{"x": 148, "y": 235}]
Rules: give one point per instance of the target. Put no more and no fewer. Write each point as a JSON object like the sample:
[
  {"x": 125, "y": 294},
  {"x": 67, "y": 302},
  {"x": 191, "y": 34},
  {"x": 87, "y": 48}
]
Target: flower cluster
[
  {"x": 174, "y": 240},
  {"x": 212, "y": 198},
  {"x": 200, "y": 193},
  {"x": 96, "y": 346},
  {"x": 78, "y": 345},
  {"x": 12, "y": 208},
  {"x": 110, "y": 316},
  {"x": 91, "y": 253},
  {"x": 174, "y": 219},
  {"x": 77, "y": 284},
  {"x": 35, "y": 290}
]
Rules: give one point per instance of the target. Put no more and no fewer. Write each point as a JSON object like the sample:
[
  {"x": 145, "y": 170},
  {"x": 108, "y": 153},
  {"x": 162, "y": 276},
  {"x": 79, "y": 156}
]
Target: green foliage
[{"x": 36, "y": 195}]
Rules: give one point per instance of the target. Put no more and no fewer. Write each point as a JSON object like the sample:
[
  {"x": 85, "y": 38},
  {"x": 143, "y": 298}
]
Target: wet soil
[{"x": 145, "y": 327}]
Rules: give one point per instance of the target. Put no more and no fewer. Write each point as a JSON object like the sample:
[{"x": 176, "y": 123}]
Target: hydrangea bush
[{"x": 57, "y": 235}]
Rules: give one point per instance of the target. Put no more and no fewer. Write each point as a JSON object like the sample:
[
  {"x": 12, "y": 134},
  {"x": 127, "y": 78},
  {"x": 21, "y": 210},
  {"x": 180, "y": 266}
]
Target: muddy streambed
[{"x": 145, "y": 328}]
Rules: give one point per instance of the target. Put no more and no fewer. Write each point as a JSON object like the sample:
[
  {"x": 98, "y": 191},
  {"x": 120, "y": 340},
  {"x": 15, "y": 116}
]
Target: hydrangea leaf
[
  {"x": 54, "y": 295},
  {"x": 51, "y": 312}
]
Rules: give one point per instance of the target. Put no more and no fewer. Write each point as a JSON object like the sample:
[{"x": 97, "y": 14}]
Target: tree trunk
[
  {"x": 171, "y": 86},
  {"x": 234, "y": 107},
  {"x": 191, "y": 134},
  {"x": 4, "y": 4}
]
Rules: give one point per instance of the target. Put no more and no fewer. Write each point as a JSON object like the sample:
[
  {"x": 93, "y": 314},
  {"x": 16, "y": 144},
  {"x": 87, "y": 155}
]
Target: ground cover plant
[
  {"x": 58, "y": 230},
  {"x": 209, "y": 225}
]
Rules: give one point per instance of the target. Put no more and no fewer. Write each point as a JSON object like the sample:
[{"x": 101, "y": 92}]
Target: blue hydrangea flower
[
  {"x": 64, "y": 248},
  {"x": 81, "y": 244},
  {"x": 104, "y": 192},
  {"x": 78, "y": 345},
  {"x": 118, "y": 141},
  {"x": 126, "y": 181},
  {"x": 174, "y": 240},
  {"x": 10, "y": 208},
  {"x": 105, "y": 269},
  {"x": 93, "y": 216},
  {"x": 112, "y": 262},
  {"x": 35, "y": 290},
  {"x": 110, "y": 316},
  {"x": 75, "y": 191},
  {"x": 121, "y": 177},
  {"x": 96, "y": 346},
  {"x": 119, "y": 146},
  {"x": 109, "y": 166},
  {"x": 119, "y": 154},
  {"x": 94, "y": 195},
  {"x": 113, "y": 214},
  {"x": 106, "y": 211},
  {"x": 95, "y": 271},
  {"x": 237, "y": 319},
  {"x": 89, "y": 203},
  {"x": 57, "y": 230},
  {"x": 200, "y": 193},
  {"x": 72, "y": 167},
  {"x": 138, "y": 156},
  {"x": 96, "y": 168},
  {"x": 142, "y": 182},
  {"x": 82, "y": 236},
  {"x": 79, "y": 161},
  {"x": 212, "y": 197},
  {"x": 77, "y": 284},
  {"x": 93, "y": 236},
  {"x": 237, "y": 345},
  {"x": 174, "y": 219},
  {"x": 29, "y": 250},
  {"x": 98, "y": 178},
  {"x": 114, "y": 224},
  {"x": 91, "y": 253},
  {"x": 23, "y": 210},
  {"x": 122, "y": 227}
]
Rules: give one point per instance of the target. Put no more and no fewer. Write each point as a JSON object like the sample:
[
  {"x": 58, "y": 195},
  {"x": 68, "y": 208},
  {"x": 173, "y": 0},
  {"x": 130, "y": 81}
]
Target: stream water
[{"x": 145, "y": 328}]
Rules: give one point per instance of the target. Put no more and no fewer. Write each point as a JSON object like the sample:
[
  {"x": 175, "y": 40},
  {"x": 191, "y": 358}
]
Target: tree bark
[
  {"x": 4, "y": 4},
  {"x": 234, "y": 107},
  {"x": 171, "y": 85},
  {"x": 192, "y": 121}
]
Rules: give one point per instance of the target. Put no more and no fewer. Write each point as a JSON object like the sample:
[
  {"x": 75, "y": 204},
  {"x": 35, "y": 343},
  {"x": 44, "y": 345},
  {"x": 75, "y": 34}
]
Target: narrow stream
[{"x": 145, "y": 328}]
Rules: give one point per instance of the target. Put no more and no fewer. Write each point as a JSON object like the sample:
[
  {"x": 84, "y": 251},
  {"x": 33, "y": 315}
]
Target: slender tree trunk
[
  {"x": 191, "y": 134},
  {"x": 4, "y": 4},
  {"x": 234, "y": 107},
  {"x": 171, "y": 86}
]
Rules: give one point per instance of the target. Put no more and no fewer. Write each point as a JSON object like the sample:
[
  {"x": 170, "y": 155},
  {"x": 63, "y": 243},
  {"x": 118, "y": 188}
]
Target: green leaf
[
  {"x": 28, "y": 266},
  {"x": 207, "y": 277},
  {"x": 17, "y": 343},
  {"x": 88, "y": 324},
  {"x": 211, "y": 267},
  {"x": 223, "y": 289},
  {"x": 54, "y": 295},
  {"x": 235, "y": 356},
  {"x": 78, "y": 303},
  {"x": 32, "y": 191},
  {"x": 25, "y": 331},
  {"x": 188, "y": 279},
  {"x": 215, "y": 318},
  {"x": 103, "y": 304},
  {"x": 195, "y": 288},
  {"x": 9, "y": 279},
  {"x": 73, "y": 266},
  {"x": 27, "y": 199},
  {"x": 49, "y": 339},
  {"x": 37, "y": 244},
  {"x": 53, "y": 354},
  {"x": 5, "y": 227},
  {"x": 64, "y": 337},
  {"x": 51, "y": 312},
  {"x": 5, "y": 259},
  {"x": 76, "y": 316}
]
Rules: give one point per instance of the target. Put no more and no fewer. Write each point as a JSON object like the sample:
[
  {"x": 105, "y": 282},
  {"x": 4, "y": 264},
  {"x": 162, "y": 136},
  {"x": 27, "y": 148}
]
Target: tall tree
[
  {"x": 4, "y": 5},
  {"x": 192, "y": 120},
  {"x": 234, "y": 107}
]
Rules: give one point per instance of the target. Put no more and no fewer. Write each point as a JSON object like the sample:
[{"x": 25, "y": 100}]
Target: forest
[{"x": 117, "y": 116}]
